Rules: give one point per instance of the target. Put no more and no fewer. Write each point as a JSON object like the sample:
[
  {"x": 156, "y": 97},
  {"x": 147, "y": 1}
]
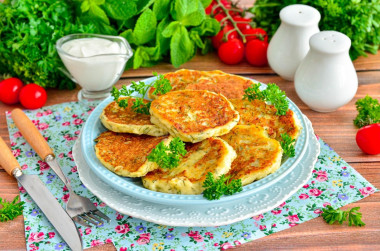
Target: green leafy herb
[
  {"x": 168, "y": 156},
  {"x": 29, "y": 31},
  {"x": 10, "y": 210},
  {"x": 272, "y": 94},
  {"x": 369, "y": 111},
  {"x": 359, "y": 20},
  {"x": 140, "y": 105},
  {"x": 223, "y": 185},
  {"x": 287, "y": 145},
  {"x": 331, "y": 215}
]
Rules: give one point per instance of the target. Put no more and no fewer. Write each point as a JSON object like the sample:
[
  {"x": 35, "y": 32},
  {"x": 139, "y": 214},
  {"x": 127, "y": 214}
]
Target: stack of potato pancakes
[{"x": 224, "y": 134}]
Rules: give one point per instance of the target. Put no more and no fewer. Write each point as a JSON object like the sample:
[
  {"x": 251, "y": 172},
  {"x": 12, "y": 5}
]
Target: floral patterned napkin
[{"x": 334, "y": 183}]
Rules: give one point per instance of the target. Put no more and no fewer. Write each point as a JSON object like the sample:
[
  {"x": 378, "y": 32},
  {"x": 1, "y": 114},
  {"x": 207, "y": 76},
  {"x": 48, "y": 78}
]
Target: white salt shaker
[
  {"x": 290, "y": 43},
  {"x": 326, "y": 79}
]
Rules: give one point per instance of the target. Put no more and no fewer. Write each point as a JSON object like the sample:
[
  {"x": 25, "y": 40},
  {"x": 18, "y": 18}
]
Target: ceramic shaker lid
[
  {"x": 300, "y": 15},
  {"x": 330, "y": 42}
]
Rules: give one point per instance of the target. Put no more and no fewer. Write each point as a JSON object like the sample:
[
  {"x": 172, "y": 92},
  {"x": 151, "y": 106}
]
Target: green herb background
[
  {"x": 358, "y": 19},
  {"x": 158, "y": 30}
]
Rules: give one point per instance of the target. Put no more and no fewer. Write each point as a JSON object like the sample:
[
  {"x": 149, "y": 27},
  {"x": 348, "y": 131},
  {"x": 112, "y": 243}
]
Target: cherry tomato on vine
[
  {"x": 255, "y": 33},
  {"x": 368, "y": 138},
  {"x": 218, "y": 39},
  {"x": 33, "y": 96},
  {"x": 232, "y": 51},
  {"x": 9, "y": 90},
  {"x": 256, "y": 52},
  {"x": 242, "y": 23},
  {"x": 220, "y": 17},
  {"x": 211, "y": 7}
]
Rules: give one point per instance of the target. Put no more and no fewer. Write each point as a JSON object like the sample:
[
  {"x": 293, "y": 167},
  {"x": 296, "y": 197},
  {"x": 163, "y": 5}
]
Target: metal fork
[{"x": 79, "y": 208}]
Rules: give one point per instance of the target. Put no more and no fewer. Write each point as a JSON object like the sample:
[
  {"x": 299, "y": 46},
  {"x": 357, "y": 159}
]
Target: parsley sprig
[
  {"x": 369, "y": 111},
  {"x": 331, "y": 215},
  {"x": 168, "y": 156},
  {"x": 272, "y": 94},
  {"x": 140, "y": 105},
  {"x": 287, "y": 145},
  {"x": 10, "y": 210},
  {"x": 223, "y": 185}
]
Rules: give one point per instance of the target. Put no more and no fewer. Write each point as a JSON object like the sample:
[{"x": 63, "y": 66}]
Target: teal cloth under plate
[{"x": 333, "y": 182}]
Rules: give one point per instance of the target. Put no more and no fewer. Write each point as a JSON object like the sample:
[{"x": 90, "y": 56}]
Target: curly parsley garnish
[
  {"x": 140, "y": 105},
  {"x": 168, "y": 156},
  {"x": 331, "y": 215},
  {"x": 287, "y": 145},
  {"x": 10, "y": 210},
  {"x": 369, "y": 111},
  {"x": 271, "y": 94},
  {"x": 223, "y": 185}
]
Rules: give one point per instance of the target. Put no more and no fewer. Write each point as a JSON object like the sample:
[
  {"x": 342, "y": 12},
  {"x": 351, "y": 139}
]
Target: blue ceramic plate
[{"x": 134, "y": 187}]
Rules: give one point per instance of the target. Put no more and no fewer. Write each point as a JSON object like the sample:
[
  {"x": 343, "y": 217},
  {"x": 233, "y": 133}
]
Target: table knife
[
  {"x": 53, "y": 211},
  {"x": 37, "y": 141}
]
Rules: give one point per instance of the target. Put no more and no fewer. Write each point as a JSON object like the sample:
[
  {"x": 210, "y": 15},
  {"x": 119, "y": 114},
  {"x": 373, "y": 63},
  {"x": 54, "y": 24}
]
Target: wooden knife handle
[
  {"x": 7, "y": 160},
  {"x": 31, "y": 134}
]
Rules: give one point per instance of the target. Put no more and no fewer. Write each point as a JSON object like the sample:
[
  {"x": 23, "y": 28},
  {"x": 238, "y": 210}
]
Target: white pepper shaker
[
  {"x": 326, "y": 79},
  {"x": 290, "y": 43}
]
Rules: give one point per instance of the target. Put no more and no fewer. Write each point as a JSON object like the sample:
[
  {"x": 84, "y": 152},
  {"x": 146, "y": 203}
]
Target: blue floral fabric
[{"x": 334, "y": 183}]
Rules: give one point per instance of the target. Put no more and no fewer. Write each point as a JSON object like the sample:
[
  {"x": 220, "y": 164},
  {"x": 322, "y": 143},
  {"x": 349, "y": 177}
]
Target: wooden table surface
[{"x": 335, "y": 128}]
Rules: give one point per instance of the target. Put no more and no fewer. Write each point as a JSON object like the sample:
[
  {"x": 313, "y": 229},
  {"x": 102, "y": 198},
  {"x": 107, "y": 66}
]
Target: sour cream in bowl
[{"x": 95, "y": 62}]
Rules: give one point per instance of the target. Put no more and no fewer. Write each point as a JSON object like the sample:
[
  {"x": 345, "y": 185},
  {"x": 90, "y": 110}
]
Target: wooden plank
[{"x": 368, "y": 68}]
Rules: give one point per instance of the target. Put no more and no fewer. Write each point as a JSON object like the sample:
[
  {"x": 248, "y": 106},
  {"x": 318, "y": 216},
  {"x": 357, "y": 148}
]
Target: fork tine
[
  {"x": 80, "y": 221},
  {"x": 101, "y": 215},
  {"x": 95, "y": 217},
  {"x": 89, "y": 219}
]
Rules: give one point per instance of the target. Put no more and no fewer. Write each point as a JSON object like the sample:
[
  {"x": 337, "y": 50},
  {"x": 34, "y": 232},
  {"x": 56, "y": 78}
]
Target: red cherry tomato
[
  {"x": 255, "y": 33},
  {"x": 218, "y": 39},
  {"x": 243, "y": 23},
  {"x": 256, "y": 52},
  {"x": 220, "y": 17},
  {"x": 33, "y": 96},
  {"x": 211, "y": 7},
  {"x": 231, "y": 52},
  {"x": 368, "y": 138},
  {"x": 9, "y": 90}
]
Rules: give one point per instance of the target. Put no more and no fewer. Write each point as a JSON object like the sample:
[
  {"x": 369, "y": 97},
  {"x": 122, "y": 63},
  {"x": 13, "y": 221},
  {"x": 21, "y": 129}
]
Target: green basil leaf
[
  {"x": 161, "y": 8},
  {"x": 206, "y": 3},
  {"x": 145, "y": 29},
  {"x": 188, "y": 12},
  {"x": 209, "y": 27},
  {"x": 96, "y": 11},
  {"x": 146, "y": 57},
  {"x": 85, "y": 6},
  {"x": 128, "y": 35},
  {"x": 171, "y": 29},
  {"x": 120, "y": 9},
  {"x": 181, "y": 47},
  {"x": 162, "y": 42},
  {"x": 142, "y": 5},
  {"x": 97, "y": 2}
]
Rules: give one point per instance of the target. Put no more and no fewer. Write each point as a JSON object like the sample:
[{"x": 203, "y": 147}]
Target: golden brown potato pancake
[
  {"x": 125, "y": 120},
  {"x": 257, "y": 154},
  {"x": 259, "y": 113},
  {"x": 211, "y": 155},
  {"x": 193, "y": 115},
  {"x": 126, "y": 154}
]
